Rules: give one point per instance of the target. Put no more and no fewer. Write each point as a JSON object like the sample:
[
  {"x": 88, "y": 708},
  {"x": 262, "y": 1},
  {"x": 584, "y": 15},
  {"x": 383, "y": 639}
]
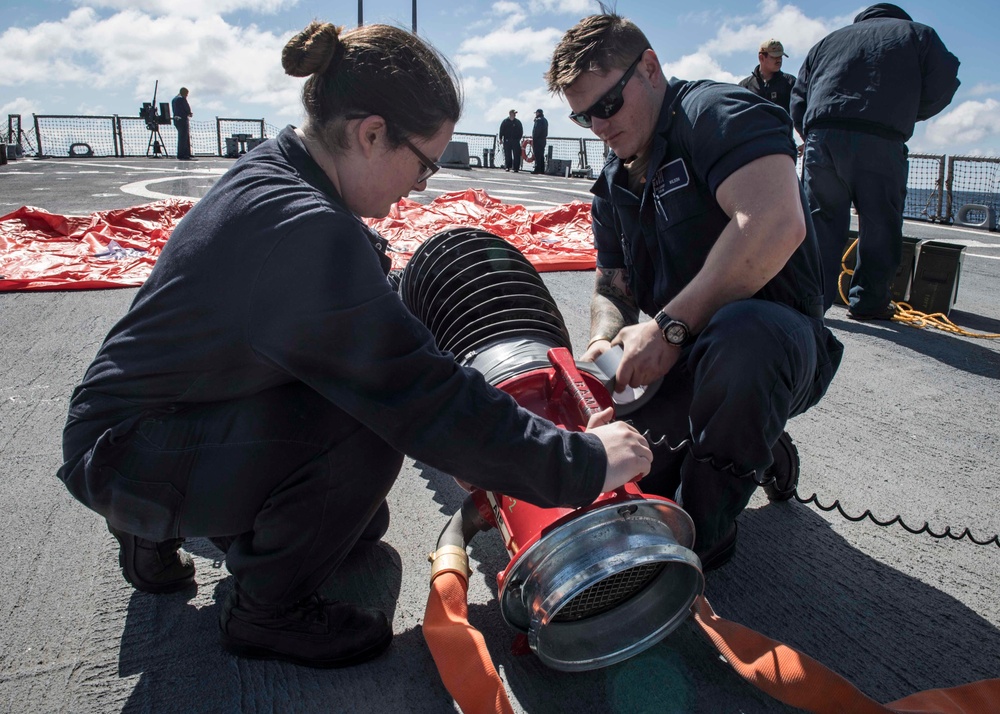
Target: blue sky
[{"x": 102, "y": 56}]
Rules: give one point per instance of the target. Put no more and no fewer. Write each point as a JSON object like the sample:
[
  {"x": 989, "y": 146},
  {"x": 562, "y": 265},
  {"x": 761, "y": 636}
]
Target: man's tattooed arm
[{"x": 612, "y": 306}]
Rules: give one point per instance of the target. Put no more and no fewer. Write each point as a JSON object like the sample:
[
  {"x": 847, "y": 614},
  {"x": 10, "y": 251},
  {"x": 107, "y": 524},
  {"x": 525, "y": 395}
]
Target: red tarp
[{"x": 44, "y": 251}]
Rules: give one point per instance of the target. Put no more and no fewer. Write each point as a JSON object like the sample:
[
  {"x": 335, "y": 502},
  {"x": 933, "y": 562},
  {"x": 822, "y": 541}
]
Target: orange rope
[{"x": 905, "y": 313}]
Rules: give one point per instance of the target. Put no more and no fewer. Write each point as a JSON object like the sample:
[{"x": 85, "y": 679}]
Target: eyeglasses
[
  {"x": 430, "y": 167},
  {"x": 608, "y": 105}
]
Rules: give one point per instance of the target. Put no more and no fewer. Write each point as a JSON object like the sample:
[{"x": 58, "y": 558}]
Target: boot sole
[{"x": 240, "y": 648}]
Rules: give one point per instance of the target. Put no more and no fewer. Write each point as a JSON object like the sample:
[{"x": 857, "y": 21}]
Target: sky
[{"x": 105, "y": 56}]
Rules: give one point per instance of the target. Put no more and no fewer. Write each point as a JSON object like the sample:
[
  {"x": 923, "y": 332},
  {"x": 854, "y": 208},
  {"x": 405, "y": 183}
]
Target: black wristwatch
[{"x": 675, "y": 332}]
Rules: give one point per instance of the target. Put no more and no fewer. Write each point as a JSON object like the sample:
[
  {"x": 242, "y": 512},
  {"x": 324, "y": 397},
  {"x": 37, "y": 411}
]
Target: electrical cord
[
  {"x": 904, "y": 313},
  {"x": 946, "y": 533},
  {"x": 814, "y": 499}
]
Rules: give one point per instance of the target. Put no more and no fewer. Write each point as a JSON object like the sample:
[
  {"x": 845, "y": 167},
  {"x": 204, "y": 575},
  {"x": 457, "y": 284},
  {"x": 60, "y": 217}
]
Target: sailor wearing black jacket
[
  {"x": 767, "y": 80},
  {"x": 858, "y": 94}
]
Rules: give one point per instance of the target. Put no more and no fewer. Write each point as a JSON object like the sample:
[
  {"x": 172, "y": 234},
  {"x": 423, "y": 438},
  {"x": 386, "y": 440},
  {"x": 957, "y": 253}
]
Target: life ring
[{"x": 527, "y": 151}]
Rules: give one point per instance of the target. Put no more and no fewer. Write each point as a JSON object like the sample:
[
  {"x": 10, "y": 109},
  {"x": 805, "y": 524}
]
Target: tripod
[{"x": 155, "y": 142}]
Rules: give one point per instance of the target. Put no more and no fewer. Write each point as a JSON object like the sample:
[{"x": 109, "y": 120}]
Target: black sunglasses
[
  {"x": 430, "y": 167},
  {"x": 608, "y": 105}
]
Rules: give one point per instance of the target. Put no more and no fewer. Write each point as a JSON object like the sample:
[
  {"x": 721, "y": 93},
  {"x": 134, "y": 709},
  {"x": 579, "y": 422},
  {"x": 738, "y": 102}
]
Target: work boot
[
  {"x": 886, "y": 313},
  {"x": 720, "y": 553},
  {"x": 153, "y": 567},
  {"x": 784, "y": 470},
  {"x": 315, "y": 632}
]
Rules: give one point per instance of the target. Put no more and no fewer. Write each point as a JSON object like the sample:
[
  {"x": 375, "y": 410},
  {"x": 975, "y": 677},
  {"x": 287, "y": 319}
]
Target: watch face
[{"x": 676, "y": 333}]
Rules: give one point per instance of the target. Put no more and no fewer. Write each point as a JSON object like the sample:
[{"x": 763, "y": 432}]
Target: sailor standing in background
[{"x": 182, "y": 113}]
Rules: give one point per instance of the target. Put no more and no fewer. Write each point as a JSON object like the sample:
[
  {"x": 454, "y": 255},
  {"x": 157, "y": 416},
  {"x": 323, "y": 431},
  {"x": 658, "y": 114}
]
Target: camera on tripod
[{"x": 154, "y": 118}]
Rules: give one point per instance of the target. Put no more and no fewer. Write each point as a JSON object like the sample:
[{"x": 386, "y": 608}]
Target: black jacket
[
  {"x": 882, "y": 74},
  {"x": 511, "y": 131},
  {"x": 778, "y": 89}
]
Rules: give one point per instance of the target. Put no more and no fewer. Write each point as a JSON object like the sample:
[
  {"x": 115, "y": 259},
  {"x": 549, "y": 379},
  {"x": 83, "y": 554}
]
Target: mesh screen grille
[{"x": 609, "y": 593}]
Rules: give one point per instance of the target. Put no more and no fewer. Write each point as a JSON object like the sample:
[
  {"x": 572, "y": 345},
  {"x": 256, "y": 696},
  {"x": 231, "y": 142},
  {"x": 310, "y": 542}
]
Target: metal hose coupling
[{"x": 449, "y": 559}]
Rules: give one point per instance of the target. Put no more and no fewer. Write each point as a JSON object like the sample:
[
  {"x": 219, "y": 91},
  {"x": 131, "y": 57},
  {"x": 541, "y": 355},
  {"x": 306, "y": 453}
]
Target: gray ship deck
[{"x": 910, "y": 426}]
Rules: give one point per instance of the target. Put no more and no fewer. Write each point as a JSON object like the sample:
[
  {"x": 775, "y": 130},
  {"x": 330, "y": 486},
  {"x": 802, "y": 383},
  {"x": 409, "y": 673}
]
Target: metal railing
[{"x": 940, "y": 188}]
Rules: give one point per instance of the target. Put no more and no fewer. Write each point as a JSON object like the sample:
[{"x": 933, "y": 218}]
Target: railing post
[
  {"x": 218, "y": 135},
  {"x": 38, "y": 135},
  {"x": 940, "y": 186},
  {"x": 948, "y": 182}
]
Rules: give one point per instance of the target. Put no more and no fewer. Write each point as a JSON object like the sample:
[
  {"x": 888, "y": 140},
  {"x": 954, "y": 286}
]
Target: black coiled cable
[{"x": 766, "y": 479}]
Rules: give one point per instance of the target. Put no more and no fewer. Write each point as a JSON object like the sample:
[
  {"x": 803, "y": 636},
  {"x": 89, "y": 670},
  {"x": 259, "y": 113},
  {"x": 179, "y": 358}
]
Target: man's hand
[
  {"x": 647, "y": 356},
  {"x": 595, "y": 350},
  {"x": 628, "y": 453}
]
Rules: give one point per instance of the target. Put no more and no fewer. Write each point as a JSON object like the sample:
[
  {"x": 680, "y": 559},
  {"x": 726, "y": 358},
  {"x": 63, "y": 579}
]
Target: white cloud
[
  {"x": 191, "y": 8},
  {"x": 787, "y": 23},
  {"x": 125, "y": 53},
  {"x": 970, "y": 124},
  {"x": 699, "y": 66},
  {"x": 580, "y": 8},
  {"x": 20, "y": 105},
  {"x": 507, "y": 44},
  {"x": 476, "y": 88},
  {"x": 984, "y": 88}
]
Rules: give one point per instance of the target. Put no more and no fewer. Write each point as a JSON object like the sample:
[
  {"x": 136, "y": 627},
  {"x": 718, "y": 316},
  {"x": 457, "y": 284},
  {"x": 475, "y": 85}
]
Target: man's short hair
[
  {"x": 183, "y": 91},
  {"x": 773, "y": 48},
  {"x": 599, "y": 43}
]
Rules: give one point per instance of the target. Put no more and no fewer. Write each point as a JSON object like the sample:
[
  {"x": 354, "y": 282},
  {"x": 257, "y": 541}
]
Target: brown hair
[
  {"x": 373, "y": 69},
  {"x": 599, "y": 43}
]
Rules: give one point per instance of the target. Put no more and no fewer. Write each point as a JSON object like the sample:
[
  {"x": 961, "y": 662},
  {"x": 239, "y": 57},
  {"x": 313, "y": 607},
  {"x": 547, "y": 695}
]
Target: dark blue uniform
[
  {"x": 858, "y": 95},
  {"x": 759, "y": 361},
  {"x": 511, "y": 133},
  {"x": 539, "y": 138},
  {"x": 182, "y": 113},
  {"x": 267, "y": 381}
]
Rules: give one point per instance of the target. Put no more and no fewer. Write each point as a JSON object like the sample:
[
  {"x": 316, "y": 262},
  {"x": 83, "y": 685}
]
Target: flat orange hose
[
  {"x": 459, "y": 649},
  {"x": 796, "y": 679}
]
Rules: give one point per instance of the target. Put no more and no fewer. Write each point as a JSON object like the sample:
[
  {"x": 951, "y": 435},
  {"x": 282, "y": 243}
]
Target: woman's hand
[{"x": 629, "y": 455}]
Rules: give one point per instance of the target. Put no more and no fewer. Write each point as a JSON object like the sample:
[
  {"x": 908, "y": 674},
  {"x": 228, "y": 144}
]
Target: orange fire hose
[
  {"x": 458, "y": 648},
  {"x": 467, "y": 670}
]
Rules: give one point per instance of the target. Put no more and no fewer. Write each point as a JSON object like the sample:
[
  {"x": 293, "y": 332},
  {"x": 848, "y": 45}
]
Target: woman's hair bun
[{"x": 311, "y": 50}]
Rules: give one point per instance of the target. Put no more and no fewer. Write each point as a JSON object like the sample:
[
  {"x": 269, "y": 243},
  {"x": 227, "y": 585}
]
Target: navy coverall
[
  {"x": 539, "y": 138},
  {"x": 182, "y": 113},
  {"x": 859, "y": 92},
  {"x": 759, "y": 361},
  {"x": 267, "y": 380}
]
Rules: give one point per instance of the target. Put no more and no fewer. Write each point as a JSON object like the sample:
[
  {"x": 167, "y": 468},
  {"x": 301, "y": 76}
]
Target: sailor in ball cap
[
  {"x": 767, "y": 80},
  {"x": 511, "y": 133}
]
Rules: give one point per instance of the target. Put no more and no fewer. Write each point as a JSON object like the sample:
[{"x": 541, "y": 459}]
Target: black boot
[
  {"x": 784, "y": 470},
  {"x": 314, "y": 632},
  {"x": 153, "y": 567}
]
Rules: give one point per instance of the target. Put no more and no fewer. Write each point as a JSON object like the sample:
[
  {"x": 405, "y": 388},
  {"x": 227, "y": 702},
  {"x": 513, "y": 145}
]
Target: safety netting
[{"x": 109, "y": 249}]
